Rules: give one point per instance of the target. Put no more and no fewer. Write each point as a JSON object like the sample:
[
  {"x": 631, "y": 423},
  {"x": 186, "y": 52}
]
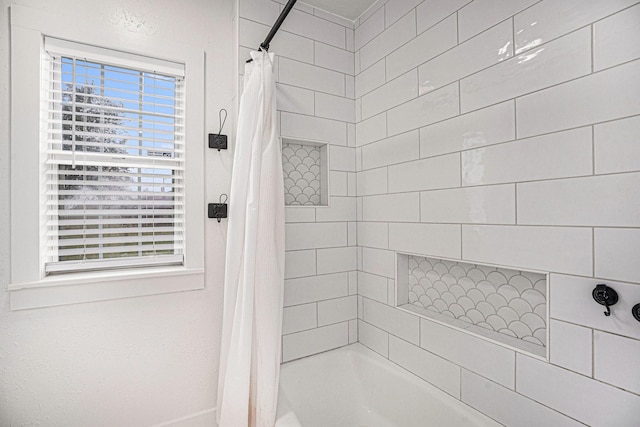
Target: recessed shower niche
[
  {"x": 306, "y": 172},
  {"x": 500, "y": 304}
]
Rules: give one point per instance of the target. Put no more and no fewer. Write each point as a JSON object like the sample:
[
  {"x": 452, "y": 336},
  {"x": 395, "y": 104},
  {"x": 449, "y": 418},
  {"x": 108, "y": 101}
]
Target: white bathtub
[{"x": 353, "y": 386}]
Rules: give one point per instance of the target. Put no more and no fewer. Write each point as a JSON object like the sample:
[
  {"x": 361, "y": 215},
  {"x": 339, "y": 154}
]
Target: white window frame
[
  {"x": 30, "y": 287},
  {"x": 52, "y": 86}
]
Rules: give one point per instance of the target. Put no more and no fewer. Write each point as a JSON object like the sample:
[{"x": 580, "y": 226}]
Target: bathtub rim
[{"x": 360, "y": 350}]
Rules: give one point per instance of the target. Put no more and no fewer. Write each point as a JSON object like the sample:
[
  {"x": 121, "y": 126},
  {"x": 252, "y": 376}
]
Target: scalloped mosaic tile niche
[
  {"x": 302, "y": 177},
  {"x": 501, "y": 301}
]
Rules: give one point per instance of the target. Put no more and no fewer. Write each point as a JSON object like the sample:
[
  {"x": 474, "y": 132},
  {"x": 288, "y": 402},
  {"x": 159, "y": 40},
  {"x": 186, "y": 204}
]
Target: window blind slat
[
  {"x": 111, "y": 250},
  {"x": 116, "y": 212},
  {"x": 140, "y": 195},
  {"x": 153, "y": 147},
  {"x": 113, "y": 75},
  {"x": 112, "y": 109},
  {"x": 106, "y": 231},
  {"x": 106, "y": 161},
  {"x": 103, "y": 264},
  {"x": 109, "y": 176},
  {"x": 117, "y": 241},
  {"x": 91, "y": 222},
  {"x": 148, "y": 206}
]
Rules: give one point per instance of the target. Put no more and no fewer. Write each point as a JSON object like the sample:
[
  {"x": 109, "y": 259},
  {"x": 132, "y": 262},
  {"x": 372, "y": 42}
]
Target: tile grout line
[
  {"x": 387, "y": 179},
  {"x": 515, "y": 118},
  {"x": 515, "y": 371},
  {"x": 593, "y": 251},
  {"x": 459, "y": 97},
  {"x": 384, "y": 18},
  {"x": 592, "y": 46},
  {"x": 515, "y": 199},
  {"x": 513, "y": 35},
  {"x": 593, "y": 150},
  {"x": 461, "y": 174},
  {"x": 461, "y": 243},
  {"x": 593, "y": 353},
  {"x": 460, "y": 373},
  {"x": 415, "y": 14}
]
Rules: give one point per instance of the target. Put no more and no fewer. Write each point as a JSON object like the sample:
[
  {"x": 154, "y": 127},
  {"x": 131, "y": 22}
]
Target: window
[
  {"x": 107, "y": 162},
  {"x": 113, "y": 143}
]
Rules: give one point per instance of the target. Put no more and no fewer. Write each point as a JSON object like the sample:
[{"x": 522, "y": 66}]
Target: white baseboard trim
[{"x": 206, "y": 418}]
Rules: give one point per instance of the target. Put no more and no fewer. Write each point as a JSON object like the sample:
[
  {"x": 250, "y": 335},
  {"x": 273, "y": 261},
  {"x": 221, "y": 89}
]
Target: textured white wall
[{"x": 138, "y": 361}]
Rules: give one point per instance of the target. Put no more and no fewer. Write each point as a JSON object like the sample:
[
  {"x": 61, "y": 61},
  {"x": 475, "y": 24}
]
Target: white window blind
[{"x": 113, "y": 159}]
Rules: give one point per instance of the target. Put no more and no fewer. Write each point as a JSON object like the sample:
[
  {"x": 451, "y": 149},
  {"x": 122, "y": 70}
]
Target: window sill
[{"x": 100, "y": 286}]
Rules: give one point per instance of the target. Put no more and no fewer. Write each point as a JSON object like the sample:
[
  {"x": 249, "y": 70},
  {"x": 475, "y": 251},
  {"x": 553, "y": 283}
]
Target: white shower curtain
[{"x": 254, "y": 270}]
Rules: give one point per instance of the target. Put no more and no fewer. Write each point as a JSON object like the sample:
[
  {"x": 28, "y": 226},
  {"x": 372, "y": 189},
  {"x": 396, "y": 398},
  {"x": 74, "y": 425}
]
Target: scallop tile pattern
[
  {"x": 301, "y": 166},
  {"x": 507, "y": 301}
]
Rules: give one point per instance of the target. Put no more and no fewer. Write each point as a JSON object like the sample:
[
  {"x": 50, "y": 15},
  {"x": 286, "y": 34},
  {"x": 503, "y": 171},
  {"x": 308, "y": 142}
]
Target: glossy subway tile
[
  {"x": 555, "y": 62},
  {"x": 422, "y": 48},
  {"x": 484, "y": 50}
]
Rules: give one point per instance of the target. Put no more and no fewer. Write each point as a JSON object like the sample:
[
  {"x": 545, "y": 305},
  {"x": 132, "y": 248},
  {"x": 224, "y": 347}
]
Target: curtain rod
[{"x": 265, "y": 44}]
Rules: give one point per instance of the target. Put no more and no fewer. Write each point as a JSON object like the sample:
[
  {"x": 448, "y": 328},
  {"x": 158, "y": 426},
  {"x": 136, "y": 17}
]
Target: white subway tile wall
[
  {"x": 388, "y": 41},
  {"x": 571, "y": 346},
  {"x": 489, "y": 48},
  {"x": 480, "y": 128},
  {"x": 508, "y": 407},
  {"x": 517, "y": 146},
  {"x": 577, "y": 396},
  {"x": 427, "y": 45},
  {"x": 501, "y": 132},
  {"x": 482, "y": 14},
  {"x": 430, "y": 12},
  {"x": 397, "y": 149},
  {"x": 557, "y": 61},
  {"x": 428, "y": 366},
  {"x": 373, "y": 286},
  {"x": 475, "y": 354},
  {"x": 616, "y": 360},
  {"x": 374, "y": 338},
  {"x": 391, "y": 94}
]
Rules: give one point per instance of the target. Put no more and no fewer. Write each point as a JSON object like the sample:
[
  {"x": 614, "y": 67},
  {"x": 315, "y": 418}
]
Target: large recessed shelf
[
  {"x": 306, "y": 172},
  {"x": 500, "y": 304}
]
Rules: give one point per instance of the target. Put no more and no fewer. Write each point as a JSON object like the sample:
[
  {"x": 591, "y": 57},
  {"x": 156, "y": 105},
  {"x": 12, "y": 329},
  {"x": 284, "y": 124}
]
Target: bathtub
[{"x": 353, "y": 386}]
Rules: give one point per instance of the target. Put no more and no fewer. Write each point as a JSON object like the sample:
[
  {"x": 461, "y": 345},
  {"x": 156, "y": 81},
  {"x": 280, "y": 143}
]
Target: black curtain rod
[{"x": 283, "y": 15}]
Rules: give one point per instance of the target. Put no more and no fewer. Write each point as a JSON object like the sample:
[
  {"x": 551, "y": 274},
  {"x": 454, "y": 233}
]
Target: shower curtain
[{"x": 254, "y": 270}]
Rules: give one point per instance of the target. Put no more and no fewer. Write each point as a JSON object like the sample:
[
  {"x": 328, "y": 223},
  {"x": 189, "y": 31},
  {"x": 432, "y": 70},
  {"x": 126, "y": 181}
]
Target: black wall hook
[
  {"x": 218, "y": 210},
  {"x": 218, "y": 140},
  {"x": 606, "y": 296}
]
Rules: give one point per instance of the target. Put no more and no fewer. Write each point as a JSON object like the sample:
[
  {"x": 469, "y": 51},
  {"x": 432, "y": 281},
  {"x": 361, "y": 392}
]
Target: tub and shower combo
[{"x": 345, "y": 387}]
